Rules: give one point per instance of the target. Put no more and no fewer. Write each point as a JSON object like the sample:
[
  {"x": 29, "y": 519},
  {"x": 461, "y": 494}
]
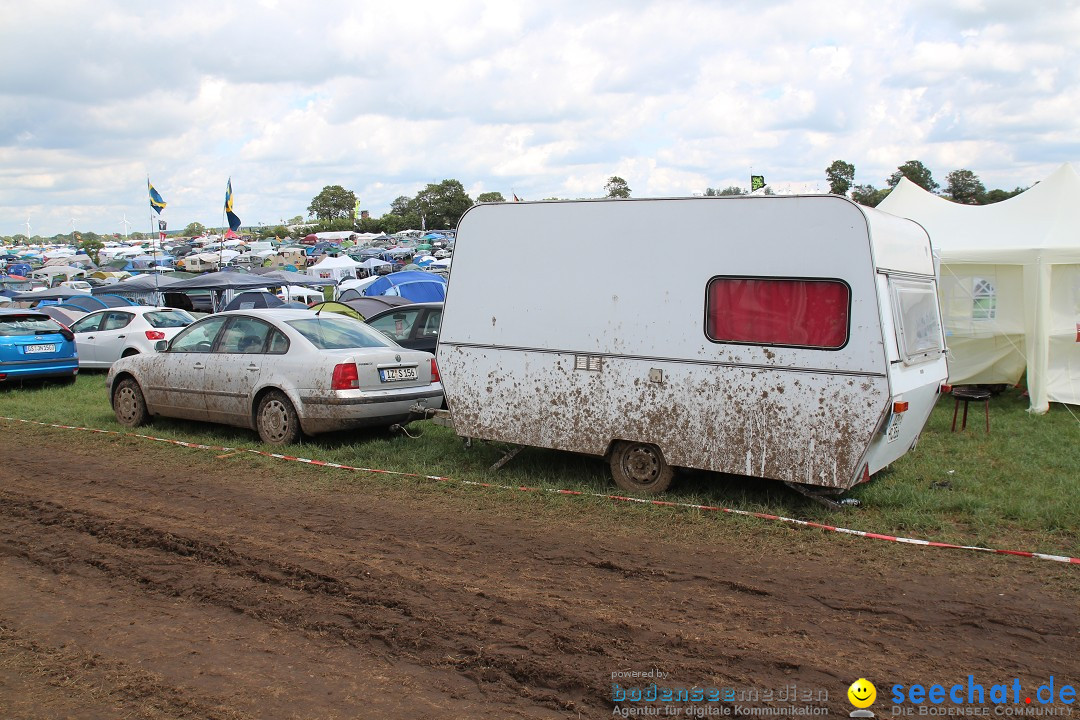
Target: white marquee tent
[
  {"x": 334, "y": 268},
  {"x": 1010, "y": 284}
]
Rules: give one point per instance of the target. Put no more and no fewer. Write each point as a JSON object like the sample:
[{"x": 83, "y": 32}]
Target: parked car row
[{"x": 279, "y": 371}]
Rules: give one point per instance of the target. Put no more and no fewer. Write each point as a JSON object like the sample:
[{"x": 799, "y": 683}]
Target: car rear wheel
[
  {"x": 277, "y": 420},
  {"x": 129, "y": 405},
  {"x": 640, "y": 468}
]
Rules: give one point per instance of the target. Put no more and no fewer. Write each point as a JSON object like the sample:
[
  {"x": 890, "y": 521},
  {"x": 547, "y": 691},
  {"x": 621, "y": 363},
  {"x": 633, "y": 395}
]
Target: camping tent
[
  {"x": 253, "y": 299},
  {"x": 1010, "y": 284},
  {"x": 418, "y": 286},
  {"x": 334, "y": 268},
  {"x": 360, "y": 308}
]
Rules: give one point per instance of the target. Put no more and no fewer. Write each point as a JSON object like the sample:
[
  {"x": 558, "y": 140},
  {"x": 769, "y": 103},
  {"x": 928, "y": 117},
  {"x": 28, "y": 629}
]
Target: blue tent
[
  {"x": 88, "y": 303},
  {"x": 414, "y": 285}
]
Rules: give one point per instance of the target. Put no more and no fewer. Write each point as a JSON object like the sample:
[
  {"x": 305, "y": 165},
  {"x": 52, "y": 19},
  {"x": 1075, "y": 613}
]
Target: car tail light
[
  {"x": 435, "y": 372},
  {"x": 66, "y": 332},
  {"x": 345, "y": 377},
  {"x": 155, "y": 335},
  {"x": 946, "y": 388}
]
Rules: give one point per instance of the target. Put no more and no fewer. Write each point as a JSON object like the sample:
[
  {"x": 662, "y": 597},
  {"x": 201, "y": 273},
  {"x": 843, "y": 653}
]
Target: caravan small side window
[
  {"x": 918, "y": 324},
  {"x": 797, "y": 312}
]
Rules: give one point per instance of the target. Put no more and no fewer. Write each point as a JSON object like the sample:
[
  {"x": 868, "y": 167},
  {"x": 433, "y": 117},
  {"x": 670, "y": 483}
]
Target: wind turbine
[
  {"x": 126, "y": 225},
  {"x": 28, "y": 228}
]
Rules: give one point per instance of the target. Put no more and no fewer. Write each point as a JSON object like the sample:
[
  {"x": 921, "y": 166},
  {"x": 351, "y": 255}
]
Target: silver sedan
[{"x": 280, "y": 372}]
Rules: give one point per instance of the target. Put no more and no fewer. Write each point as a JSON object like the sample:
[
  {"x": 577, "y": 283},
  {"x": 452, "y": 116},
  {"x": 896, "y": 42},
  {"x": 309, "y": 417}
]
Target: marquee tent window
[{"x": 983, "y": 300}]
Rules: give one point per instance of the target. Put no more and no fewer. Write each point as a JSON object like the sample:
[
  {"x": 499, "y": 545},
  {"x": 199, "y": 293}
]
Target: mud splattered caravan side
[{"x": 776, "y": 337}]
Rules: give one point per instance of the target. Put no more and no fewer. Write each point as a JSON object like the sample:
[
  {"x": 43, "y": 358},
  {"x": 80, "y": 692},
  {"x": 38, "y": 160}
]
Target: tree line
[
  {"x": 961, "y": 186},
  {"x": 439, "y": 206}
]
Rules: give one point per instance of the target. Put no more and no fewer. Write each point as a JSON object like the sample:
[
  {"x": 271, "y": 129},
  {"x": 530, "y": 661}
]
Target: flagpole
[{"x": 156, "y": 289}]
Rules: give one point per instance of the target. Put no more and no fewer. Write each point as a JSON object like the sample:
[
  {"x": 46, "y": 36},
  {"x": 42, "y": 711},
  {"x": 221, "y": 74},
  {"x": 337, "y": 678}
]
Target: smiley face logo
[{"x": 862, "y": 693}]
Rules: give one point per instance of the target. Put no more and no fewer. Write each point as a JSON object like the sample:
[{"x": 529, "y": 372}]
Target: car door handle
[
  {"x": 198, "y": 366},
  {"x": 89, "y": 337},
  {"x": 121, "y": 337},
  {"x": 252, "y": 367}
]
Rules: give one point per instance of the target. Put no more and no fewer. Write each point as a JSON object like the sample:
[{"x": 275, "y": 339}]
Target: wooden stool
[{"x": 967, "y": 395}]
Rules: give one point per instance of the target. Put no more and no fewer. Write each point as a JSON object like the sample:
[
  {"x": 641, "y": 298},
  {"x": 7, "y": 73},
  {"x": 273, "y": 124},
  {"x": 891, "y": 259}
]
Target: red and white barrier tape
[{"x": 525, "y": 488}]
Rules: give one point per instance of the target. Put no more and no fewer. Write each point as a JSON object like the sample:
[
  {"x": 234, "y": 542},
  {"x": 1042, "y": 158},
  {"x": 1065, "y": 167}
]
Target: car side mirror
[{"x": 161, "y": 345}]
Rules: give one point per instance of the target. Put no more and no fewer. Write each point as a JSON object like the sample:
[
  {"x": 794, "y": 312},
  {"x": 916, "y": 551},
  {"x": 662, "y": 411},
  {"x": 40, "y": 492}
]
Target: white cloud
[{"x": 545, "y": 99}]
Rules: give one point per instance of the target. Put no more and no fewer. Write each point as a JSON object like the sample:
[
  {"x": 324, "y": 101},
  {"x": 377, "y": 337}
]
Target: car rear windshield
[
  {"x": 17, "y": 325},
  {"x": 339, "y": 333},
  {"x": 168, "y": 318}
]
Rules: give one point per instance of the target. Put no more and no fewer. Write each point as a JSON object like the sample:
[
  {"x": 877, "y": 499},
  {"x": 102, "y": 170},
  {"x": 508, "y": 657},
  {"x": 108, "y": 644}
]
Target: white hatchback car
[
  {"x": 278, "y": 371},
  {"x": 105, "y": 336}
]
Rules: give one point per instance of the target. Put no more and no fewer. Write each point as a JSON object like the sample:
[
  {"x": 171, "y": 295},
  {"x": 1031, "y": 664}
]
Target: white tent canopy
[
  {"x": 334, "y": 268},
  {"x": 1010, "y": 284}
]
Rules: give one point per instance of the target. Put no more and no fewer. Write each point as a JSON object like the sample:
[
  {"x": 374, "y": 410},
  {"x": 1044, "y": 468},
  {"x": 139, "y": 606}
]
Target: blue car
[{"x": 33, "y": 345}]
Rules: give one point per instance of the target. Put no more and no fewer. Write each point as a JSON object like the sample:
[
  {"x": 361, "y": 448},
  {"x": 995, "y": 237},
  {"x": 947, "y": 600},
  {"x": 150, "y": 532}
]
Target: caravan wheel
[{"x": 640, "y": 468}]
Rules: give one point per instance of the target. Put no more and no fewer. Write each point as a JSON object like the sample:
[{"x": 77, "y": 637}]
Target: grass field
[{"x": 1018, "y": 487}]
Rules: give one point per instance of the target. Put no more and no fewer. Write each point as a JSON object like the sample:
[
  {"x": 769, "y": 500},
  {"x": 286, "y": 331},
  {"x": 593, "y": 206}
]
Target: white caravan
[{"x": 796, "y": 338}]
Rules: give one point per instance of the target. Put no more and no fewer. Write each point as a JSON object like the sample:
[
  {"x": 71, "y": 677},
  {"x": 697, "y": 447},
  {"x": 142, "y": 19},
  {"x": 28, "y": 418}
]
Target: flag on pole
[
  {"x": 356, "y": 210},
  {"x": 757, "y": 182},
  {"x": 516, "y": 198},
  {"x": 155, "y": 199},
  {"x": 234, "y": 222}
]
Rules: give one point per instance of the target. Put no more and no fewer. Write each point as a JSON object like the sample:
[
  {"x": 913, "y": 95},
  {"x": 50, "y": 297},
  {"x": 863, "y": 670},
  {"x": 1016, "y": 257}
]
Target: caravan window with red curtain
[{"x": 798, "y": 312}]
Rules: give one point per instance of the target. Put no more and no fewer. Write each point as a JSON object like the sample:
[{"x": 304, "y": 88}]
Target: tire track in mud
[
  {"x": 531, "y": 616},
  {"x": 386, "y": 611},
  {"x": 89, "y": 679},
  {"x": 207, "y": 572}
]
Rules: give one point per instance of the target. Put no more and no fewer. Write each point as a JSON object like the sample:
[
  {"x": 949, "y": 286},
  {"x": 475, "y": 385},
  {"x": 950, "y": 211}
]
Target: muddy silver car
[{"x": 280, "y": 372}]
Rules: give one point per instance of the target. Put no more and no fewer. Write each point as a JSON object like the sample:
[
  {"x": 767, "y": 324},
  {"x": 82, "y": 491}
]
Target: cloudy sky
[{"x": 543, "y": 99}]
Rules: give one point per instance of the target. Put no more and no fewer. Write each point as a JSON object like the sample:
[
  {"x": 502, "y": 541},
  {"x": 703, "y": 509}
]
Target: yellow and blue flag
[
  {"x": 155, "y": 198},
  {"x": 234, "y": 222}
]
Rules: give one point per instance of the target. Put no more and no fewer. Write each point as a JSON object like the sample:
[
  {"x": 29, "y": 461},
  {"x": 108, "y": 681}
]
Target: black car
[{"x": 414, "y": 326}]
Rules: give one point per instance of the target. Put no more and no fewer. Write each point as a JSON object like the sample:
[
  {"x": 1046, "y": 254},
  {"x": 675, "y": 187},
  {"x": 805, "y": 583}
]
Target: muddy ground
[{"x": 173, "y": 584}]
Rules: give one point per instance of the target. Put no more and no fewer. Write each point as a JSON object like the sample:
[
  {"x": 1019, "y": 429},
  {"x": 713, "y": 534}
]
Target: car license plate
[
  {"x": 39, "y": 349},
  {"x": 396, "y": 374}
]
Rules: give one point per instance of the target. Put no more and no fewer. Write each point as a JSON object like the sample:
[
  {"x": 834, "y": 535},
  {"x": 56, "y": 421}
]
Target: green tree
[
  {"x": 490, "y": 197},
  {"x": 296, "y": 220},
  {"x": 402, "y": 206},
  {"x": 731, "y": 190},
  {"x": 442, "y": 205},
  {"x": 194, "y": 229},
  {"x": 617, "y": 188},
  {"x": 91, "y": 244},
  {"x": 996, "y": 195},
  {"x": 841, "y": 176},
  {"x": 333, "y": 202},
  {"x": 917, "y": 173},
  {"x": 964, "y": 186},
  {"x": 869, "y": 195},
  {"x": 391, "y": 223}
]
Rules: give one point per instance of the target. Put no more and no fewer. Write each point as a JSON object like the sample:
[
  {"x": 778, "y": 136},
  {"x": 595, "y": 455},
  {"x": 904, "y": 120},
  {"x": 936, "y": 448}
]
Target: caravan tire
[{"x": 640, "y": 468}]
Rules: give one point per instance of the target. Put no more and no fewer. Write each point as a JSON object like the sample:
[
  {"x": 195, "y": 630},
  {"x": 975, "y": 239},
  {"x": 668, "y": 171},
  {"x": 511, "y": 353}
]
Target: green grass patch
[{"x": 1016, "y": 487}]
